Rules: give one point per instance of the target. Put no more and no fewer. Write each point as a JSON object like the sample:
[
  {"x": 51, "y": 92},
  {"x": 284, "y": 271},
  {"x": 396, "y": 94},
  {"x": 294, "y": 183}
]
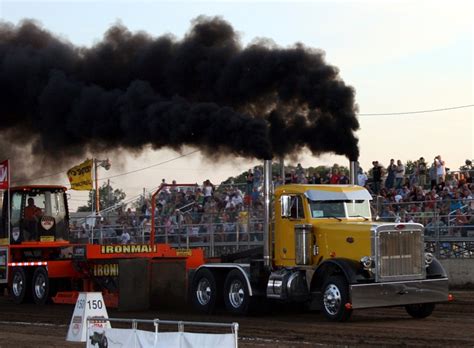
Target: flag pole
[{"x": 97, "y": 200}]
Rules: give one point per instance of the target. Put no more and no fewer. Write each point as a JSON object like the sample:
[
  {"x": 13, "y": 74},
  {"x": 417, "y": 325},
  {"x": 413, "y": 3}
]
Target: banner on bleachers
[{"x": 111, "y": 338}]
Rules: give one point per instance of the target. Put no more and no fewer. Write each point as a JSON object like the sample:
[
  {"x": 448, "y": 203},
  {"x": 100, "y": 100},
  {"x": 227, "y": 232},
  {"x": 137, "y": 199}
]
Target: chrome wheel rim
[
  {"x": 40, "y": 286},
  {"x": 236, "y": 293},
  {"x": 203, "y": 292},
  {"x": 17, "y": 284},
  {"x": 332, "y": 299}
]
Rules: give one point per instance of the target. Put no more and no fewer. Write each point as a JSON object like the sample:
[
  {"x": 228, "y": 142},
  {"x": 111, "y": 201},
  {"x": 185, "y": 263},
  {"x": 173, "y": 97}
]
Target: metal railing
[
  {"x": 443, "y": 234},
  {"x": 216, "y": 239}
]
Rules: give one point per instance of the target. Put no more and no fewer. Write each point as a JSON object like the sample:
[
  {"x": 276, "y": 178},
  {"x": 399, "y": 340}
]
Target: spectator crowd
[{"x": 426, "y": 193}]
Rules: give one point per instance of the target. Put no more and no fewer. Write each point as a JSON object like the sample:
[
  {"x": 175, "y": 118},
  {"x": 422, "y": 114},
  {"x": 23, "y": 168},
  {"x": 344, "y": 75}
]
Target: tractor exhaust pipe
[
  {"x": 354, "y": 169},
  {"x": 267, "y": 233}
]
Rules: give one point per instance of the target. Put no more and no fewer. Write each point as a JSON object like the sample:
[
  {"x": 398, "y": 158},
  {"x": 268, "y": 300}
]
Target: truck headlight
[
  {"x": 428, "y": 259},
  {"x": 366, "y": 262}
]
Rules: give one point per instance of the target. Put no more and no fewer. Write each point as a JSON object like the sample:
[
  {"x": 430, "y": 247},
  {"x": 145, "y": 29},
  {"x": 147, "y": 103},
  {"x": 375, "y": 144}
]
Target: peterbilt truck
[{"x": 322, "y": 249}]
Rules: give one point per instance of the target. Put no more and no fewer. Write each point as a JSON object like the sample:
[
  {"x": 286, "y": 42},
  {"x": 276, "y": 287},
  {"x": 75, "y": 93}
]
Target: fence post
[
  {"x": 187, "y": 236},
  {"x": 248, "y": 227},
  {"x": 210, "y": 231},
  {"x": 237, "y": 235},
  {"x": 379, "y": 205},
  {"x": 236, "y": 334}
]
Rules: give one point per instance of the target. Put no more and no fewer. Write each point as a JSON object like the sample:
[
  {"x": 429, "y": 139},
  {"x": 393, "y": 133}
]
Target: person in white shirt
[
  {"x": 440, "y": 169},
  {"x": 361, "y": 178},
  {"x": 125, "y": 237},
  {"x": 399, "y": 174}
]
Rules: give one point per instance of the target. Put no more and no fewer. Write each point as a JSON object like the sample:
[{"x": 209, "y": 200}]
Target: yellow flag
[{"x": 80, "y": 176}]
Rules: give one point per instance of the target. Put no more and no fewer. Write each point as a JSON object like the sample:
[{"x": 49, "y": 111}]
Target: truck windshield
[
  {"x": 44, "y": 216},
  {"x": 340, "y": 209}
]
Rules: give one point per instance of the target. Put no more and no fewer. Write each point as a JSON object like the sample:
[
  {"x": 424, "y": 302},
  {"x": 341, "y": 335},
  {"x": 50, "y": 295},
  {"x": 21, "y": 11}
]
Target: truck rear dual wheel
[
  {"x": 236, "y": 293},
  {"x": 204, "y": 291},
  {"x": 335, "y": 295}
]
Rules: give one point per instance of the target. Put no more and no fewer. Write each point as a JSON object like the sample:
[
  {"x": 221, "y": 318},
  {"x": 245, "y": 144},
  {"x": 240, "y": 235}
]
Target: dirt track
[{"x": 450, "y": 325}]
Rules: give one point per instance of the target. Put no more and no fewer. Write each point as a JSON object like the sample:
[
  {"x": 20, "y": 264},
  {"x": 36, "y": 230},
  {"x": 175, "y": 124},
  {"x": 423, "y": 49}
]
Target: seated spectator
[
  {"x": 125, "y": 237},
  {"x": 461, "y": 222},
  {"x": 343, "y": 179},
  {"x": 436, "y": 226}
]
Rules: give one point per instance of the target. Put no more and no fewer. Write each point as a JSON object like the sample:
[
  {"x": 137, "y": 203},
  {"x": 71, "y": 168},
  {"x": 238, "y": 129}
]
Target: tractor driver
[{"x": 32, "y": 216}]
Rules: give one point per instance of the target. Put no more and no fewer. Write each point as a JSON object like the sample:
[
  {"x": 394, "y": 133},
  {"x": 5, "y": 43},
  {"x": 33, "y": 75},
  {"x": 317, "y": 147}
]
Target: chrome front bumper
[{"x": 399, "y": 293}]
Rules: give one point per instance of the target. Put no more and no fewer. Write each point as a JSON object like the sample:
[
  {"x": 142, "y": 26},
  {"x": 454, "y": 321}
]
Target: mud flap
[
  {"x": 168, "y": 284},
  {"x": 134, "y": 285}
]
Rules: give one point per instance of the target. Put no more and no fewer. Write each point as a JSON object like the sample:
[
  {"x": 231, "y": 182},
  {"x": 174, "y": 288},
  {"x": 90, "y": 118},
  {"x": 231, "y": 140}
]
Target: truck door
[{"x": 285, "y": 237}]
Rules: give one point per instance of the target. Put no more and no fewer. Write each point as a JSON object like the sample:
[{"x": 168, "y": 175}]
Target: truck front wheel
[
  {"x": 335, "y": 295},
  {"x": 40, "y": 286},
  {"x": 19, "y": 285},
  {"x": 236, "y": 293},
  {"x": 420, "y": 311},
  {"x": 204, "y": 291}
]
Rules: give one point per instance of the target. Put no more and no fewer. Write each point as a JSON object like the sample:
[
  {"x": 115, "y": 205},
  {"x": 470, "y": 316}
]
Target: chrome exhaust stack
[
  {"x": 353, "y": 168},
  {"x": 267, "y": 238},
  {"x": 282, "y": 170}
]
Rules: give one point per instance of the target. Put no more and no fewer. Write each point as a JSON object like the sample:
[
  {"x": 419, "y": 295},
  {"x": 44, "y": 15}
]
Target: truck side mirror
[{"x": 285, "y": 206}]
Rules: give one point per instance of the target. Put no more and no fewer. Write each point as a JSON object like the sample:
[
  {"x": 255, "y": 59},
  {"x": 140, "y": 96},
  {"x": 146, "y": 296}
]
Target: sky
[{"x": 400, "y": 56}]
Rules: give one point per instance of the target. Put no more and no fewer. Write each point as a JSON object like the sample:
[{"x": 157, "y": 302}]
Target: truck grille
[{"x": 400, "y": 255}]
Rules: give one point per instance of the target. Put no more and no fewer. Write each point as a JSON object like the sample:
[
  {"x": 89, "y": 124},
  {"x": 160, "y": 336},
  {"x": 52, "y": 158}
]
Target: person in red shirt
[
  {"x": 335, "y": 177},
  {"x": 32, "y": 216},
  {"x": 32, "y": 212}
]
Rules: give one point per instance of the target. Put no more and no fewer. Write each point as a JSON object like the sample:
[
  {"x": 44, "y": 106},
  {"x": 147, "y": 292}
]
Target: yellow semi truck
[{"x": 323, "y": 249}]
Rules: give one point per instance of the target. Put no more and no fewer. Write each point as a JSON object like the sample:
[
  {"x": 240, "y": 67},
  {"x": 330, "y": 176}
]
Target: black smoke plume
[{"x": 130, "y": 90}]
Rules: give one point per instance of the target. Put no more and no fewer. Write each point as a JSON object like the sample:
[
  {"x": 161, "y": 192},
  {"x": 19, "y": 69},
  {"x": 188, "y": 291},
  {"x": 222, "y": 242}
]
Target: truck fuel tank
[{"x": 288, "y": 285}]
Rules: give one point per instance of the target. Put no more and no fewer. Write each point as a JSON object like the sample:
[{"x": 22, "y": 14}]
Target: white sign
[{"x": 88, "y": 304}]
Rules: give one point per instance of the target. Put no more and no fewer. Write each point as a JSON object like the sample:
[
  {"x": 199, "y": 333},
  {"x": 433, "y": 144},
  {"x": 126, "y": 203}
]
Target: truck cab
[{"x": 321, "y": 209}]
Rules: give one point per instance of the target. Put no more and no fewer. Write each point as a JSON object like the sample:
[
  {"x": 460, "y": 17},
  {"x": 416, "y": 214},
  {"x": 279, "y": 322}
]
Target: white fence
[{"x": 135, "y": 338}]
